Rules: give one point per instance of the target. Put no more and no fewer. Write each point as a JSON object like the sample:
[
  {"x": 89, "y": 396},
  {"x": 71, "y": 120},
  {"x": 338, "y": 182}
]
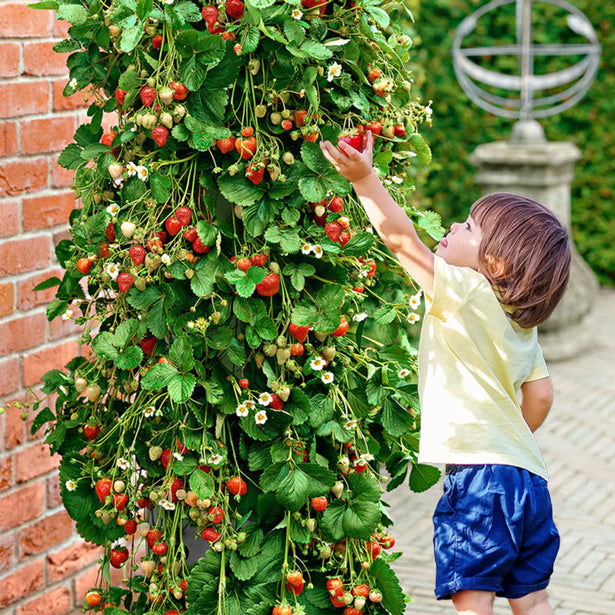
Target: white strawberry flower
[
  {"x": 72, "y": 83},
  {"x": 415, "y": 301},
  {"x": 350, "y": 424},
  {"x": 249, "y": 404},
  {"x": 327, "y": 377},
  {"x": 67, "y": 315},
  {"x": 149, "y": 411},
  {"x": 132, "y": 169},
  {"x": 402, "y": 373},
  {"x": 214, "y": 459},
  {"x": 359, "y": 317},
  {"x": 178, "y": 456},
  {"x": 167, "y": 505},
  {"x": 296, "y": 14},
  {"x": 123, "y": 464},
  {"x": 413, "y": 318},
  {"x": 317, "y": 364},
  {"x": 70, "y": 485},
  {"x": 113, "y": 209},
  {"x": 318, "y": 251},
  {"x": 335, "y": 70},
  {"x": 142, "y": 173},
  {"x": 260, "y": 418},
  {"x": 242, "y": 410},
  {"x": 264, "y": 399},
  {"x": 112, "y": 270},
  {"x": 306, "y": 249},
  {"x": 165, "y": 259}
]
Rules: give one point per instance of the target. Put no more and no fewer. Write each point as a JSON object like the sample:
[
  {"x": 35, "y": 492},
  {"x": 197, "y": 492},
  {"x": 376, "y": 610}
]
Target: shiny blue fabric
[{"x": 494, "y": 531}]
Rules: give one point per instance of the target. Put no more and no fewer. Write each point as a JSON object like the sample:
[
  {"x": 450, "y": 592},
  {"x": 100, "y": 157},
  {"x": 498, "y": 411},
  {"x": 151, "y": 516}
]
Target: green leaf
[
  {"x": 304, "y": 315},
  {"x": 45, "y": 5},
  {"x": 395, "y": 419},
  {"x": 244, "y": 568},
  {"x": 70, "y": 158},
  {"x": 75, "y": 14},
  {"x": 422, "y": 477},
  {"x": 261, "y": 4},
  {"x": 313, "y": 49},
  {"x": 103, "y": 345},
  {"x": 361, "y": 518},
  {"x": 237, "y": 189},
  {"x": 129, "y": 358},
  {"x": 333, "y": 520},
  {"x": 181, "y": 387},
  {"x": 250, "y": 39},
  {"x": 294, "y": 490},
  {"x": 321, "y": 479},
  {"x": 431, "y": 222},
  {"x": 131, "y": 37},
  {"x": 158, "y": 376},
  {"x": 273, "y": 476},
  {"x": 421, "y": 148},
  {"x": 313, "y": 157},
  {"x": 125, "y": 332},
  {"x": 322, "y": 410},
  {"x": 313, "y": 188},
  {"x": 48, "y": 283},
  {"x": 359, "y": 244},
  {"x": 202, "y": 484},
  {"x": 245, "y": 288},
  {"x": 181, "y": 354},
  {"x": 160, "y": 186},
  {"x": 387, "y": 582},
  {"x": 45, "y": 415},
  {"x": 202, "y": 282},
  {"x": 290, "y": 241}
]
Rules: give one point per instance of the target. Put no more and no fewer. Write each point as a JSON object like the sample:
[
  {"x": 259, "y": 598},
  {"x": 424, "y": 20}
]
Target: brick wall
[{"x": 44, "y": 566}]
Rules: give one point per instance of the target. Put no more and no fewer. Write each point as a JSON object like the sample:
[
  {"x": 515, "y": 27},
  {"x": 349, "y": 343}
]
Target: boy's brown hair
[{"x": 524, "y": 253}]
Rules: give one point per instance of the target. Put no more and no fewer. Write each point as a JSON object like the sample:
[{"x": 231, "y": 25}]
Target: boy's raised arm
[{"x": 387, "y": 217}]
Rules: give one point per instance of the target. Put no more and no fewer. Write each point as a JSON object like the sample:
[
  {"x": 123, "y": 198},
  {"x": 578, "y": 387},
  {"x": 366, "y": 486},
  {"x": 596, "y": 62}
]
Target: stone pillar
[{"x": 544, "y": 172}]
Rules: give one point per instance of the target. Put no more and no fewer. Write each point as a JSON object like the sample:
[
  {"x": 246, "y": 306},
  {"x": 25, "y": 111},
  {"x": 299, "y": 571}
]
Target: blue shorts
[{"x": 494, "y": 531}]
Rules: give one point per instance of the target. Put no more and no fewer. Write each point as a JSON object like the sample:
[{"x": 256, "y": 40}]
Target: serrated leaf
[
  {"x": 237, "y": 189},
  {"x": 125, "y": 332},
  {"x": 202, "y": 484},
  {"x": 181, "y": 354},
  {"x": 313, "y": 49},
  {"x": 364, "y": 486},
  {"x": 359, "y": 244},
  {"x": 395, "y": 419},
  {"x": 422, "y": 477},
  {"x": 244, "y": 568},
  {"x": 294, "y": 490},
  {"x": 312, "y": 156},
  {"x": 333, "y": 520},
  {"x": 431, "y": 222},
  {"x": 75, "y": 14},
  {"x": 304, "y": 315},
  {"x": 70, "y": 158},
  {"x": 361, "y": 518},
  {"x": 181, "y": 386},
  {"x": 103, "y": 345},
  {"x": 129, "y": 358},
  {"x": 388, "y": 583},
  {"x": 312, "y": 188},
  {"x": 250, "y": 39},
  {"x": 158, "y": 376}
]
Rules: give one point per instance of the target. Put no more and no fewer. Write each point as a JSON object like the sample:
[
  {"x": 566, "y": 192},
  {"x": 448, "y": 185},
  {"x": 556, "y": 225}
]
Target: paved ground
[{"x": 578, "y": 444}]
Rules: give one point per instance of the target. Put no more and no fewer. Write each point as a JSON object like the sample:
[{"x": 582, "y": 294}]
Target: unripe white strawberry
[
  {"x": 128, "y": 229},
  {"x": 115, "y": 170}
]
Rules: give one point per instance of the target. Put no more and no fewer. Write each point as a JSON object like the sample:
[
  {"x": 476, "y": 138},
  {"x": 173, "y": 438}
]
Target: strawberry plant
[{"x": 250, "y": 389}]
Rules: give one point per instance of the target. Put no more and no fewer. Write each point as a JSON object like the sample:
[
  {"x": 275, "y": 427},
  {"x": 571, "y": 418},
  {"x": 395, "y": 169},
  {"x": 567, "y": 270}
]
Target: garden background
[{"x": 44, "y": 566}]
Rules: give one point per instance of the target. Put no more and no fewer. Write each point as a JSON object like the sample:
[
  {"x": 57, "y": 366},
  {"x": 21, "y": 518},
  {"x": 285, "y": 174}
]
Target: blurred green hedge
[{"x": 459, "y": 125}]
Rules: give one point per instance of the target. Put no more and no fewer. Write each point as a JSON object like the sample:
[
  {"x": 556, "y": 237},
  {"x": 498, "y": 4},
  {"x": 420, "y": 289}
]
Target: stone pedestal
[{"x": 544, "y": 172}]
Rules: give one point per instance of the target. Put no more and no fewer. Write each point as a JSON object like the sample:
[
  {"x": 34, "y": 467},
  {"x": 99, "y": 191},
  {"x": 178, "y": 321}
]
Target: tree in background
[{"x": 250, "y": 374}]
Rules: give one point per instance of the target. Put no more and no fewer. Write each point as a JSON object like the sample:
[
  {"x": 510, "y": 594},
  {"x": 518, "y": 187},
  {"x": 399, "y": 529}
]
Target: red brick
[
  {"x": 59, "y": 329},
  {"x": 22, "y": 255},
  {"x": 22, "y": 333},
  {"x": 56, "y": 601},
  {"x": 27, "y": 298},
  {"x": 9, "y": 214},
  {"x": 10, "y": 376},
  {"x": 41, "y": 59},
  {"x": 78, "y": 100},
  {"x": 6, "y": 472},
  {"x": 60, "y": 177},
  {"x": 44, "y": 534},
  {"x": 18, "y": 21},
  {"x": 24, "y": 98},
  {"x": 21, "y": 582},
  {"x": 21, "y": 506},
  {"x": 54, "y": 497},
  {"x": 8, "y": 138},
  {"x": 7, "y": 547},
  {"x": 71, "y": 559},
  {"x": 25, "y": 175},
  {"x": 34, "y": 461},
  {"x": 45, "y": 211},
  {"x": 86, "y": 580},
  {"x": 9, "y": 59},
  {"x": 14, "y": 428},
  {"x": 7, "y": 299},
  {"x": 37, "y": 363},
  {"x": 50, "y": 134}
]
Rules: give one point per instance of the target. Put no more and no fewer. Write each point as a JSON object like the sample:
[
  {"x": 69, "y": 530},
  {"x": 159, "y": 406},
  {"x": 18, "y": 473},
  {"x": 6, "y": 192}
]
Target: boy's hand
[{"x": 351, "y": 163}]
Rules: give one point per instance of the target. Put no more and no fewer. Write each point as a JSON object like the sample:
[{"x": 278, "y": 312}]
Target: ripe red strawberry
[
  {"x": 210, "y": 534},
  {"x": 110, "y": 232},
  {"x": 210, "y": 15},
  {"x": 157, "y": 41},
  {"x": 354, "y": 139},
  {"x": 199, "y": 247},
  {"x": 373, "y": 74},
  {"x": 319, "y": 503},
  {"x": 299, "y": 332},
  {"x": 124, "y": 282},
  {"x": 310, "y": 4},
  {"x": 107, "y": 138},
  {"x": 226, "y": 145},
  {"x": 297, "y": 350},
  {"x": 147, "y": 96},
  {"x": 118, "y": 556},
  {"x": 237, "y": 486},
  {"x": 244, "y": 383},
  {"x": 294, "y": 577},
  {"x": 255, "y": 173},
  {"x": 375, "y": 127},
  {"x": 184, "y": 215},
  {"x": 190, "y": 234},
  {"x": 247, "y": 131},
  {"x": 333, "y": 230},
  {"x": 154, "y": 244},
  {"x": 361, "y": 590},
  {"x": 103, "y": 489},
  {"x": 173, "y": 226},
  {"x": 153, "y": 536},
  {"x": 399, "y": 130},
  {"x": 246, "y": 147},
  {"x": 147, "y": 345},
  {"x": 276, "y": 402},
  {"x": 93, "y": 598},
  {"x": 91, "y": 431},
  {"x": 244, "y": 264},
  {"x": 234, "y": 9},
  {"x": 344, "y": 238},
  {"x": 295, "y": 589},
  {"x": 334, "y": 584},
  {"x": 387, "y": 541},
  {"x": 300, "y": 117},
  {"x": 137, "y": 254},
  {"x": 84, "y": 265},
  {"x": 336, "y": 205},
  {"x": 269, "y": 286},
  {"x": 160, "y": 548},
  {"x": 120, "y": 500},
  {"x": 216, "y": 514},
  {"x": 175, "y": 485},
  {"x": 259, "y": 260},
  {"x": 165, "y": 458},
  {"x": 160, "y": 134},
  {"x": 342, "y": 328},
  {"x": 120, "y": 97},
  {"x": 373, "y": 548},
  {"x": 287, "y": 124},
  {"x": 181, "y": 91}
]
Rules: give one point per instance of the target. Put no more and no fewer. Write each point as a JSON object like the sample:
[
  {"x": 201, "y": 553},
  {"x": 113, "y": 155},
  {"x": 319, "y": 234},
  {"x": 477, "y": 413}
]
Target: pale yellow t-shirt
[{"x": 473, "y": 360}]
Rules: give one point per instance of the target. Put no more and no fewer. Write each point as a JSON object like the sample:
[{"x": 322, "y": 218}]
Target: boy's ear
[{"x": 496, "y": 266}]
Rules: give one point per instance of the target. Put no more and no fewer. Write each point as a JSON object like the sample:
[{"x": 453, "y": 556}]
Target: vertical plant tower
[{"x": 250, "y": 381}]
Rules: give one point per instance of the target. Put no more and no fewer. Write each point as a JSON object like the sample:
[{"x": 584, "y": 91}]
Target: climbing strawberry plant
[{"x": 250, "y": 389}]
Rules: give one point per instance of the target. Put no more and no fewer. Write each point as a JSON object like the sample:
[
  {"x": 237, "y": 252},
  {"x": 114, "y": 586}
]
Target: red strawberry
[
  {"x": 300, "y": 117},
  {"x": 244, "y": 264},
  {"x": 157, "y": 41},
  {"x": 237, "y": 486},
  {"x": 84, "y": 265},
  {"x": 259, "y": 260},
  {"x": 124, "y": 282},
  {"x": 226, "y": 145},
  {"x": 297, "y": 350},
  {"x": 299, "y": 332},
  {"x": 147, "y": 96},
  {"x": 137, "y": 254},
  {"x": 153, "y": 536},
  {"x": 373, "y": 74},
  {"x": 184, "y": 215},
  {"x": 246, "y": 147},
  {"x": 165, "y": 458},
  {"x": 255, "y": 173},
  {"x": 333, "y": 230},
  {"x": 107, "y": 138},
  {"x": 399, "y": 130},
  {"x": 361, "y": 590},
  {"x": 110, "y": 232},
  {"x": 387, "y": 541},
  {"x": 175, "y": 485},
  {"x": 93, "y": 598},
  {"x": 210, "y": 15},
  {"x": 287, "y": 124},
  {"x": 247, "y": 131},
  {"x": 375, "y": 127},
  {"x": 295, "y": 589},
  {"x": 336, "y": 205},
  {"x": 118, "y": 556},
  {"x": 319, "y": 503},
  {"x": 181, "y": 91},
  {"x": 160, "y": 134},
  {"x": 210, "y": 534},
  {"x": 103, "y": 489},
  {"x": 342, "y": 328},
  {"x": 373, "y": 548},
  {"x": 91, "y": 431},
  {"x": 154, "y": 244},
  {"x": 160, "y": 548},
  {"x": 130, "y": 527},
  {"x": 354, "y": 139},
  {"x": 120, "y": 97},
  {"x": 190, "y": 234},
  {"x": 120, "y": 500},
  {"x": 344, "y": 238},
  {"x": 244, "y": 383},
  {"x": 173, "y": 226},
  {"x": 234, "y": 9},
  {"x": 215, "y": 514},
  {"x": 147, "y": 345},
  {"x": 276, "y": 403},
  {"x": 269, "y": 286},
  {"x": 309, "y": 4},
  {"x": 199, "y": 247},
  {"x": 294, "y": 577}
]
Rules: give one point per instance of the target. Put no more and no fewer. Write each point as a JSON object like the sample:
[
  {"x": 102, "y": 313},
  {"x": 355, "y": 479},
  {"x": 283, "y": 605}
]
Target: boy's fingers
[
  {"x": 328, "y": 151},
  {"x": 350, "y": 151}
]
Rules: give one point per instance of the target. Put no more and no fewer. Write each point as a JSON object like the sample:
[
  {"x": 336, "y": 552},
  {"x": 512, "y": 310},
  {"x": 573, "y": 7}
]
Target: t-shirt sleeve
[
  {"x": 452, "y": 287},
  {"x": 539, "y": 367}
]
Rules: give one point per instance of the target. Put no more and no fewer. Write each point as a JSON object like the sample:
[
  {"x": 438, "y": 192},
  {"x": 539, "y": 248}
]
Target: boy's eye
[{"x": 468, "y": 227}]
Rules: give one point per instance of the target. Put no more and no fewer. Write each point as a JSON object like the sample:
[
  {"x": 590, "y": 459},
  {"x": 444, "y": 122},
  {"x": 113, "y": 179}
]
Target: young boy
[{"x": 483, "y": 384}]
